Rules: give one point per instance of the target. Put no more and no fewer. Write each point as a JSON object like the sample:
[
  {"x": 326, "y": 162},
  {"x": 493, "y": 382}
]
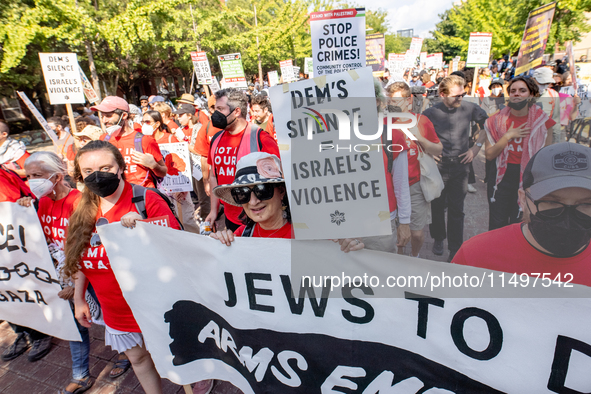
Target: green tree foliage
[{"x": 506, "y": 20}]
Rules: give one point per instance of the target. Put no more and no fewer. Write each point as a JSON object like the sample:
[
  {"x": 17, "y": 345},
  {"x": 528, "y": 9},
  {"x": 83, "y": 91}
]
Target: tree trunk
[{"x": 93, "y": 75}]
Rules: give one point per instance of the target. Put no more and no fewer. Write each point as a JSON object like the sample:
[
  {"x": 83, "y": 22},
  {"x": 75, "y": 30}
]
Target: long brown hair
[{"x": 83, "y": 219}]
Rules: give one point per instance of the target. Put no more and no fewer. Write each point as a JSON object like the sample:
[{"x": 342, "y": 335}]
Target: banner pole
[
  {"x": 188, "y": 389},
  {"x": 474, "y": 80},
  {"x": 71, "y": 117},
  {"x": 192, "y": 80}
]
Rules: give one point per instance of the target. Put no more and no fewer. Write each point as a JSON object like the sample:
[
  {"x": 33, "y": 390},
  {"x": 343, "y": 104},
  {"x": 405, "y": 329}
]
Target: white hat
[{"x": 543, "y": 75}]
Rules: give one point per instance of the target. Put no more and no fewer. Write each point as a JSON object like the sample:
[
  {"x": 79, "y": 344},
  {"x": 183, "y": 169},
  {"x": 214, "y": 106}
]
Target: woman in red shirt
[
  {"x": 107, "y": 198},
  {"x": 259, "y": 188},
  {"x": 153, "y": 125},
  {"x": 515, "y": 134}
]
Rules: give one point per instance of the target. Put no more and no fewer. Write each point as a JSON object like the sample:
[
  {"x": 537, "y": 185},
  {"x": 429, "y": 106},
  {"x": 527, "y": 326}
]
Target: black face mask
[
  {"x": 564, "y": 235},
  {"x": 517, "y": 105},
  {"x": 438, "y": 80},
  {"x": 102, "y": 183},
  {"x": 220, "y": 120}
]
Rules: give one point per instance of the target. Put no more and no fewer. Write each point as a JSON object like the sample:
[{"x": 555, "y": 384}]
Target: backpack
[
  {"x": 248, "y": 230},
  {"x": 256, "y": 145},
  {"x": 139, "y": 199},
  {"x": 137, "y": 145}
]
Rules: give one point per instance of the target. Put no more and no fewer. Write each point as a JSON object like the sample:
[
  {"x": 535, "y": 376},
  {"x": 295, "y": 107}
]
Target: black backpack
[{"x": 139, "y": 199}]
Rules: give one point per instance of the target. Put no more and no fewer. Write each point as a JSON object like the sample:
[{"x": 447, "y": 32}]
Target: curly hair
[{"x": 236, "y": 99}]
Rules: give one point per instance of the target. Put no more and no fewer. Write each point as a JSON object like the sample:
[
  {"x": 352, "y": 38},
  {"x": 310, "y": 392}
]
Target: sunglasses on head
[{"x": 262, "y": 191}]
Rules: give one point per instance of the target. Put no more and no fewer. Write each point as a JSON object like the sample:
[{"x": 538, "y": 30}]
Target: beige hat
[
  {"x": 187, "y": 99},
  {"x": 90, "y": 131}
]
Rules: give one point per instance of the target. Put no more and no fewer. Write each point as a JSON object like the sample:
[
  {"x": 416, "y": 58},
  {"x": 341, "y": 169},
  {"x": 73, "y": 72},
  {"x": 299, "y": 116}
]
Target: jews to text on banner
[
  {"x": 28, "y": 281},
  {"x": 237, "y": 314}
]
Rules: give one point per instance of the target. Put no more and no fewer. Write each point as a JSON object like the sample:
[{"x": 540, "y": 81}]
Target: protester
[
  {"x": 81, "y": 138},
  {"x": 415, "y": 81},
  {"x": 190, "y": 100},
  {"x": 514, "y": 134},
  {"x": 166, "y": 113},
  {"x": 555, "y": 235},
  {"x": 427, "y": 139},
  {"x": 153, "y": 125},
  {"x": 549, "y": 99},
  {"x": 145, "y": 162},
  {"x": 108, "y": 197},
  {"x": 452, "y": 120},
  {"x": 64, "y": 138},
  {"x": 154, "y": 100},
  {"x": 144, "y": 106},
  {"x": 57, "y": 200},
  {"x": 238, "y": 138},
  {"x": 13, "y": 153},
  {"x": 496, "y": 100},
  {"x": 259, "y": 106},
  {"x": 202, "y": 143}
]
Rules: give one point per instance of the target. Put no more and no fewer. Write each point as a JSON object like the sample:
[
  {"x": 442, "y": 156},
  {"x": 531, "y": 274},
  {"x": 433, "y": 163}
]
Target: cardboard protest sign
[
  {"x": 39, "y": 117},
  {"x": 535, "y": 37},
  {"x": 62, "y": 78},
  {"x": 479, "y": 49},
  {"x": 455, "y": 64},
  {"x": 178, "y": 163},
  {"x": 273, "y": 78},
  {"x": 232, "y": 70},
  {"x": 336, "y": 181},
  {"x": 338, "y": 40},
  {"x": 396, "y": 65},
  {"x": 89, "y": 91},
  {"x": 202, "y": 69},
  {"x": 287, "y": 73},
  {"x": 375, "y": 54},
  {"x": 215, "y": 86},
  {"x": 423, "y": 59},
  {"x": 239, "y": 315},
  {"x": 414, "y": 51},
  {"x": 571, "y": 64},
  {"x": 28, "y": 281},
  {"x": 309, "y": 67}
]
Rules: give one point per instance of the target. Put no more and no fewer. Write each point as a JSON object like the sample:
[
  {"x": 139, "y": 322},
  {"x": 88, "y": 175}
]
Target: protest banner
[
  {"x": 409, "y": 59},
  {"x": 571, "y": 64},
  {"x": 414, "y": 51},
  {"x": 215, "y": 86},
  {"x": 535, "y": 37},
  {"x": 455, "y": 64},
  {"x": 396, "y": 65},
  {"x": 430, "y": 62},
  {"x": 375, "y": 55},
  {"x": 338, "y": 40},
  {"x": 89, "y": 91},
  {"x": 423, "y": 59},
  {"x": 273, "y": 78},
  {"x": 178, "y": 177},
  {"x": 479, "y": 49},
  {"x": 28, "y": 281},
  {"x": 62, "y": 78},
  {"x": 202, "y": 69},
  {"x": 309, "y": 67},
  {"x": 240, "y": 315},
  {"x": 287, "y": 73},
  {"x": 39, "y": 117},
  {"x": 296, "y": 72},
  {"x": 232, "y": 70},
  {"x": 316, "y": 121},
  {"x": 438, "y": 61}
]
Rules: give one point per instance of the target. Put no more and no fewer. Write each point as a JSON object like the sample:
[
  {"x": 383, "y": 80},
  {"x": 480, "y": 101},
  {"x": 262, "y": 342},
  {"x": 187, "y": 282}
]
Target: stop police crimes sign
[{"x": 62, "y": 78}]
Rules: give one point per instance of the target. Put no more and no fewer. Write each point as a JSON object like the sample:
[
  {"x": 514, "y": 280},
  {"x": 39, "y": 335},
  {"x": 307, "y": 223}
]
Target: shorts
[
  {"x": 420, "y": 214},
  {"x": 121, "y": 341}
]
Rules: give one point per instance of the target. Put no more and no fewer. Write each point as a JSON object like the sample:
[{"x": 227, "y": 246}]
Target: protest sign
[
  {"x": 202, "y": 69},
  {"x": 28, "y": 281},
  {"x": 409, "y": 59},
  {"x": 423, "y": 59},
  {"x": 316, "y": 121},
  {"x": 38, "y": 116},
  {"x": 338, "y": 40},
  {"x": 89, "y": 91},
  {"x": 414, "y": 51},
  {"x": 396, "y": 65},
  {"x": 455, "y": 63},
  {"x": 215, "y": 86},
  {"x": 240, "y": 315},
  {"x": 479, "y": 49},
  {"x": 287, "y": 73},
  {"x": 273, "y": 78},
  {"x": 296, "y": 72},
  {"x": 62, "y": 78},
  {"x": 375, "y": 53},
  {"x": 571, "y": 64},
  {"x": 430, "y": 62},
  {"x": 535, "y": 37},
  {"x": 178, "y": 175},
  {"x": 309, "y": 67},
  {"x": 232, "y": 70}
]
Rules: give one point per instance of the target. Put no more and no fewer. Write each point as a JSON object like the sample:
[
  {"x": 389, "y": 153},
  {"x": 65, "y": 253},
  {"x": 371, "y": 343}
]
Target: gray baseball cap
[{"x": 557, "y": 167}]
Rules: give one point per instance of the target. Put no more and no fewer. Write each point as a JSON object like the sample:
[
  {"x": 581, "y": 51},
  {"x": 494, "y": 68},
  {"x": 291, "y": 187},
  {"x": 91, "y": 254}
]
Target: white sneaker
[{"x": 471, "y": 189}]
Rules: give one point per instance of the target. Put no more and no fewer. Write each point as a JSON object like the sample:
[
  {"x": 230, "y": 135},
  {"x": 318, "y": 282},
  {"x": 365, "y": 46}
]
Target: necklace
[{"x": 258, "y": 231}]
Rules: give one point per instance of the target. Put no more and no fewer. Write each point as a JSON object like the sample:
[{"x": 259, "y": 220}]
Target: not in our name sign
[{"x": 62, "y": 78}]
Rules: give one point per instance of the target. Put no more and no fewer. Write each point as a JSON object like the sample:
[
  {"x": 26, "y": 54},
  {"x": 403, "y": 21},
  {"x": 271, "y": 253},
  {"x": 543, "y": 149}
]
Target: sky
[{"x": 420, "y": 15}]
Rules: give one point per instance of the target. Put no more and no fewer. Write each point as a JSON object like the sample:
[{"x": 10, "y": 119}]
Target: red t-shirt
[
  {"x": 258, "y": 232},
  {"x": 172, "y": 125},
  {"x": 95, "y": 264},
  {"x": 136, "y": 173},
  {"x": 204, "y": 137},
  {"x": 55, "y": 216},
  {"x": 517, "y": 256},
  {"x": 202, "y": 116},
  {"x": 70, "y": 154},
  {"x": 397, "y": 139},
  {"x": 270, "y": 128},
  {"x": 166, "y": 139},
  {"x": 414, "y": 167},
  {"x": 223, "y": 162},
  {"x": 12, "y": 187},
  {"x": 516, "y": 144}
]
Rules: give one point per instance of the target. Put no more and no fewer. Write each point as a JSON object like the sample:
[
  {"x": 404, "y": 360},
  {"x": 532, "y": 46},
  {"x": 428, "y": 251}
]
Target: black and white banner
[{"x": 230, "y": 313}]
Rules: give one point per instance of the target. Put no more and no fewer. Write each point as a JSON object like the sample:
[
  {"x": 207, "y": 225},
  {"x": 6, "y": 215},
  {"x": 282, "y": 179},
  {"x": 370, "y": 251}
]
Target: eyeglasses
[
  {"x": 95, "y": 240},
  {"x": 553, "y": 209},
  {"x": 459, "y": 96},
  {"x": 262, "y": 191}
]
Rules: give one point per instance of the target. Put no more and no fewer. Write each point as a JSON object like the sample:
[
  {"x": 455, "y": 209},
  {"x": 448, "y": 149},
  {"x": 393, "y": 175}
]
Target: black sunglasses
[
  {"x": 554, "y": 209},
  {"x": 262, "y": 191}
]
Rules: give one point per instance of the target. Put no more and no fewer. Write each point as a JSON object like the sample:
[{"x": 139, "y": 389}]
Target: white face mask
[
  {"x": 41, "y": 187},
  {"x": 115, "y": 128},
  {"x": 147, "y": 129},
  {"x": 543, "y": 87},
  {"x": 496, "y": 91}
]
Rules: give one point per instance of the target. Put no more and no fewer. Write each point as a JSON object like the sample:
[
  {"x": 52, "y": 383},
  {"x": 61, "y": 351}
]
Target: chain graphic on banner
[{"x": 23, "y": 270}]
